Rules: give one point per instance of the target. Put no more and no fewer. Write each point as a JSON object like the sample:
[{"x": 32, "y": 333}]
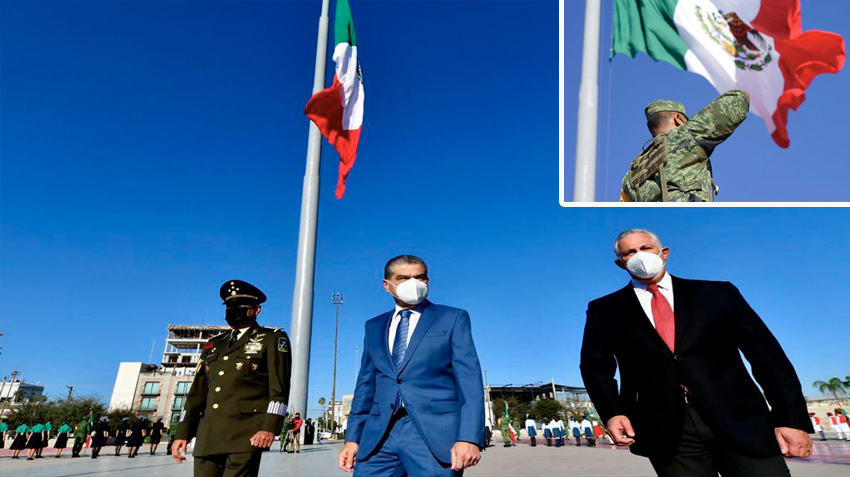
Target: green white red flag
[
  {"x": 338, "y": 110},
  {"x": 755, "y": 45}
]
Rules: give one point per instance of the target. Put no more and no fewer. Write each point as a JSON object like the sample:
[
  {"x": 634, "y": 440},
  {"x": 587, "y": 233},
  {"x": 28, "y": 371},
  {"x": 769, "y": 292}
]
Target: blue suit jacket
[{"x": 439, "y": 382}]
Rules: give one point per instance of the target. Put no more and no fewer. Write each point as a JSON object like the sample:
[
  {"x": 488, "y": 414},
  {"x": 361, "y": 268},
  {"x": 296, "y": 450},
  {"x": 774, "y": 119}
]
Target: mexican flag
[
  {"x": 338, "y": 110},
  {"x": 755, "y": 45}
]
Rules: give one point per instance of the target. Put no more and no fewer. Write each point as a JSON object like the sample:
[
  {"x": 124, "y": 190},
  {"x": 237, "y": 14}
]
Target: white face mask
[
  {"x": 645, "y": 264},
  {"x": 411, "y": 291}
]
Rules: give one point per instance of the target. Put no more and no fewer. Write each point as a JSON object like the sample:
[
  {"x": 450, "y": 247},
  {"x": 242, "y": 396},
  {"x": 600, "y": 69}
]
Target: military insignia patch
[
  {"x": 253, "y": 347},
  {"x": 283, "y": 345},
  {"x": 239, "y": 366}
]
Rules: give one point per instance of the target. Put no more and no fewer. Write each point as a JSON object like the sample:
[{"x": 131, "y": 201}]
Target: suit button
[
  {"x": 399, "y": 381},
  {"x": 677, "y": 357},
  {"x": 221, "y": 373},
  {"x": 226, "y": 358},
  {"x": 215, "y": 406},
  {"x": 218, "y": 389}
]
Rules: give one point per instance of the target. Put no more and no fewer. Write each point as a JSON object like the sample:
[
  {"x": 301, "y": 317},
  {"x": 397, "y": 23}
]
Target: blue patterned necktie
[{"x": 400, "y": 341}]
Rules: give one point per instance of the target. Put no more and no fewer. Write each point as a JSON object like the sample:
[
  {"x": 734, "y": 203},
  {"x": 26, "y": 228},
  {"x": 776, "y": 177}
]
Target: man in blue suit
[{"x": 418, "y": 406}]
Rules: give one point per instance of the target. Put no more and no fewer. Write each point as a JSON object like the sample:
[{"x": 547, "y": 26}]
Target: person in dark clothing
[
  {"x": 99, "y": 435},
  {"x": 121, "y": 435},
  {"x": 136, "y": 437},
  {"x": 156, "y": 434}
]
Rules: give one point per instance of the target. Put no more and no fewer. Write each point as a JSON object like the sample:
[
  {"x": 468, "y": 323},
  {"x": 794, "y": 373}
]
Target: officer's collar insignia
[
  {"x": 283, "y": 345},
  {"x": 260, "y": 336},
  {"x": 238, "y": 366},
  {"x": 254, "y": 366}
]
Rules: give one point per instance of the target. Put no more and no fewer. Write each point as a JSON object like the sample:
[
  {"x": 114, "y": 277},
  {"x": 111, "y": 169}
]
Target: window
[
  {"x": 183, "y": 387},
  {"x": 148, "y": 404},
  {"x": 151, "y": 388},
  {"x": 178, "y": 403}
]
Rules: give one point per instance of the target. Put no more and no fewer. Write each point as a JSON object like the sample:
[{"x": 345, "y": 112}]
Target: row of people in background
[
  {"x": 837, "y": 421},
  {"x": 35, "y": 438}
]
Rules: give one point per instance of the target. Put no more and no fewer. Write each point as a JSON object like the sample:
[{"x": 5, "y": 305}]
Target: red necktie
[{"x": 662, "y": 313}]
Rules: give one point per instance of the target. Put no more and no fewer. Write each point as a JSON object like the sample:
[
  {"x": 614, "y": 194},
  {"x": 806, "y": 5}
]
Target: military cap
[
  {"x": 242, "y": 293},
  {"x": 663, "y": 105}
]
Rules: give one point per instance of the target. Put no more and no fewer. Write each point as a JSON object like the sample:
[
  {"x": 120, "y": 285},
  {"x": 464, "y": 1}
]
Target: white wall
[{"x": 125, "y": 385}]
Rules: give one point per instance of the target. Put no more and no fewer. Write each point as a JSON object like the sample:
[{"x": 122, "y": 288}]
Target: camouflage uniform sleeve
[
  {"x": 196, "y": 402},
  {"x": 714, "y": 123},
  {"x": 279, "y": 357}
]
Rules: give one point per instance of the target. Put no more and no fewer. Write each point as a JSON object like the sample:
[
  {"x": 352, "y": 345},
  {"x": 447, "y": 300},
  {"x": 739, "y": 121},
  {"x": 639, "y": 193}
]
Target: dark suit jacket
[
  {"x": 439, "y": 382},
  {"x": 713, "y": 322}
]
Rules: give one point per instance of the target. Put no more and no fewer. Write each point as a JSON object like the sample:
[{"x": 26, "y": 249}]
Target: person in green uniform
[
  {"x": 172, "y": 433},
  {"x": 284, "y": 433},
  {"x": 81, "y": 431},
  {"x": 61, "y": 439},
  {"x": 505, "y": 428},
  {"x": 20, "y": 442},
  {"x": 4, "y": 428},
  {"x": 45, "y": 437},
  {"x": 240, "y": 393},
  {"x": 676, "y": 166},
  {"x": 34, "y": 437}
]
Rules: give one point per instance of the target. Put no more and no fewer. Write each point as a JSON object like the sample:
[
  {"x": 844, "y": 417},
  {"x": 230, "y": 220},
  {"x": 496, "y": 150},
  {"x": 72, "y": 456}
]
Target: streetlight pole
[{"x": 338, "y": 299}]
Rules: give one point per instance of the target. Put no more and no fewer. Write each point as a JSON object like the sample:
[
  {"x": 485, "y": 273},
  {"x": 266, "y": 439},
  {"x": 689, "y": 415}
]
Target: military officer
[
  {"x": 676, "y": 166},
  {"x": 238, "y": 400}
]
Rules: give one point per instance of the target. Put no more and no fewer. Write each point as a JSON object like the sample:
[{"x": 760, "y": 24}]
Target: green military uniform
[
  {"x": 684, "y": 152},
  {"x": 81, "y": 431},
  {"x": 241, "y": 387},
  {"x": 505, "y": 428}
]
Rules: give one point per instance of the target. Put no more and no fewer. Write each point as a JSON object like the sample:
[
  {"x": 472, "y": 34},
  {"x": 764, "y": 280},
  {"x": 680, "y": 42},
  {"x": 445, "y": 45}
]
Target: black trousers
[
  {"x": 78, "y": 445},
  {"x": 242, "y": 464},
  {"x": 701, "y": 454}
]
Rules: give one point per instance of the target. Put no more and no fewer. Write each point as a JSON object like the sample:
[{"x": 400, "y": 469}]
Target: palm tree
[{"x": 833, "y": 386}]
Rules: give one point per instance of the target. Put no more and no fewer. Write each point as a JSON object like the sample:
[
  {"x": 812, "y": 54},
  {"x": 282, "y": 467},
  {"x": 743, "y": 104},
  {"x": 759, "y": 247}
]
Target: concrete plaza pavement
[{"x": 829, "y": 459}]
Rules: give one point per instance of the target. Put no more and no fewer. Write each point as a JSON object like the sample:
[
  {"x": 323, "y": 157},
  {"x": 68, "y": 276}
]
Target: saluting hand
[
  {"x": 262, "y": 439},
  {"x": 621, "y": 430},
  {"x": 179, "y": 445}
]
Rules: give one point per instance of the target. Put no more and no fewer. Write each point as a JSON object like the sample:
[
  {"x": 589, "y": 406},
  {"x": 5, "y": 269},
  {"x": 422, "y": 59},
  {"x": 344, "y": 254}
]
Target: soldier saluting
[
  {"x": 238, "y": 399},
  {"x": 676, "y": 166}
]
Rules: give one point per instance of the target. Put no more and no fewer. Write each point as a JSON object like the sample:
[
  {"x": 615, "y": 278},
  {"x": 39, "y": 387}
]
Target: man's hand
[
  {"x": 179, "y": 445},
  {"x": 262, "y": 439},
  {"x": 621, "y": 430},
  {"x": 793, "y": 442},
  {"x": 465, "y": 454},
  {"x": 348, "y": 456}
]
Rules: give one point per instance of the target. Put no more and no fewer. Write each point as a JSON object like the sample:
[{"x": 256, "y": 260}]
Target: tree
[
  {"x": 61, "y": 411},
  {"x": 834, "y": 386},
  {"x": 518, "y": 410},
  {"x": 546, "y": 409}
]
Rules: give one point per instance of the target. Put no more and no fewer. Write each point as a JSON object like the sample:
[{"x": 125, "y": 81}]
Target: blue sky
[
  {"x": 151, "y": 151},
  {"x": 748, "y": 167}
]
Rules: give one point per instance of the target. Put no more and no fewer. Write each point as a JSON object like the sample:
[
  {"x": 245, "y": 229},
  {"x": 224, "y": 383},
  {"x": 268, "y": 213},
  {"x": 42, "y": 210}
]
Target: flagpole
[
  {"x": 588, "y": 99},
  {"x": 305, "y": 265}
]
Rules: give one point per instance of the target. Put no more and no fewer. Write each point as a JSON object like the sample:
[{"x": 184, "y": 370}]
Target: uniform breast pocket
[{"x": 437, "y": 334}]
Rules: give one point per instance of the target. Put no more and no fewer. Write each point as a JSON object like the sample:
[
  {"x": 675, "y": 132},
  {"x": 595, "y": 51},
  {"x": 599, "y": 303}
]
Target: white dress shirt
[
  {"x": 665, "y": 286},
  {"x": 412, "y": 321}
]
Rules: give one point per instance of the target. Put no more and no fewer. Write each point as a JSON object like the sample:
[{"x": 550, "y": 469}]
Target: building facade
[
  {"x": 160, "y": 389},
  {"x": 14, "y": 393}
]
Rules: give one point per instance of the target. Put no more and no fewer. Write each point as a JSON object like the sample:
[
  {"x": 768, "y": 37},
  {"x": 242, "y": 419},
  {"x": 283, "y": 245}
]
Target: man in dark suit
[
  {"x": 418, "y": 405},
  {"x": 238, "y": 399},
  {"x": 686, "y": 400}
]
